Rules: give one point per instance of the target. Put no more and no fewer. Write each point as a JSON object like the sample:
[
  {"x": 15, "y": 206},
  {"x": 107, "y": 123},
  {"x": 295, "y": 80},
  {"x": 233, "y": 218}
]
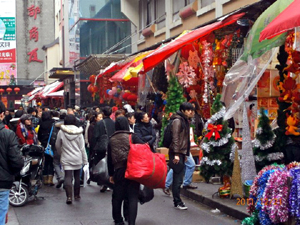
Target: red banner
[{"x": 8, "y": 56}]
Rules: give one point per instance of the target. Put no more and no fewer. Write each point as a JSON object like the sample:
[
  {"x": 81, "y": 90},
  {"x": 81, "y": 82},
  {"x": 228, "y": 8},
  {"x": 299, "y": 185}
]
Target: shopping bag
[
  {"x": 48, "y": 150},
  {"x": 100, "y": 172},
  {"x": 145, "y": 194},
  {"x": 146, "y": 167},
  {"x": 86, "y": 173}
]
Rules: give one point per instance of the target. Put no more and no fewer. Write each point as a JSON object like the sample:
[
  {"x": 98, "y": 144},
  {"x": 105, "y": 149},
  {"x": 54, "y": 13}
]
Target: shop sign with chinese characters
[
  {"x": 8, "y": 66},
  {"x": 33, "y": 12}
]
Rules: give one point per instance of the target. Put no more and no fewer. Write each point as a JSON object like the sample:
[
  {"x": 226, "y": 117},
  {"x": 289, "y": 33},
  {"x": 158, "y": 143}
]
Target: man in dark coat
[
  {"x": 11, "y": 162},
  {"x": 105, "y": 126}
]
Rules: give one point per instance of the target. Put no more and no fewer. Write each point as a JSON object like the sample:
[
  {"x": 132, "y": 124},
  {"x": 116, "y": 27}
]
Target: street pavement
[{"x": 95, "y": 208}]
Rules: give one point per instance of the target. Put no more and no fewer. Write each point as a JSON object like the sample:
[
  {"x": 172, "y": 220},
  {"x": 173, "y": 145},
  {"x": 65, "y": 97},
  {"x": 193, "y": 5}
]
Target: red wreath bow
[{"x": 214, "y": 130}]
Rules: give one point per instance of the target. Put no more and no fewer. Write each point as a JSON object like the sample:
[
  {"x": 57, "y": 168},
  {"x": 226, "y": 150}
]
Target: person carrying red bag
[{"x": 117, "y": 154}]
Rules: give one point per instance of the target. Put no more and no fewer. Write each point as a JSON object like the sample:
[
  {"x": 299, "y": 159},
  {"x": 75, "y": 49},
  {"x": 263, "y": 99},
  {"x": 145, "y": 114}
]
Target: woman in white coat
[{"x": 70, "y": 145}]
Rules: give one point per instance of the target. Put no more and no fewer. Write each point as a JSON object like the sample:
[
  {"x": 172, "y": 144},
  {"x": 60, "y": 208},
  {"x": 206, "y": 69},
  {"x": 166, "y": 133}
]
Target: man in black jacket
[
  {"x": 11, "y": 162},
  {"x": 105, "y": 126},
  {"x": 180, "y": 149}
]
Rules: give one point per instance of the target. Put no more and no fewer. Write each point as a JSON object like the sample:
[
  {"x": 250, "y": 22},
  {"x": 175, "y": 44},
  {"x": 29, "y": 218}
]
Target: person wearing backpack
[{"x": 179, "y": 149}]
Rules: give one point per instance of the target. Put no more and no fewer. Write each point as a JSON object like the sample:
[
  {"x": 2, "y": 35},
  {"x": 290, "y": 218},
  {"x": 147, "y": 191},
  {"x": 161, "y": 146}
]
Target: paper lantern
[
  {"x": 8, "y": 90},
  {"x": 1, "y": 91},
  {"x": 17, "y": 90},
  {"x": 132, "y": 97},
  {"x": 95, "y": 89},
  {"x": 90, "y": 88},
  {"x": 92, "y": 79}
]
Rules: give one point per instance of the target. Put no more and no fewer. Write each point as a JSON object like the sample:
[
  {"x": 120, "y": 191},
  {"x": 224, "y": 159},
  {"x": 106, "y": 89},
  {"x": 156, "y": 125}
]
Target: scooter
[{"x": 29, "y": 181}]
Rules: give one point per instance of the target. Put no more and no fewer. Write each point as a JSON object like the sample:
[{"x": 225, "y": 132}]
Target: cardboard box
[
  {"x": 164, "y": 151},
  {"x": 197, "y": 177}
]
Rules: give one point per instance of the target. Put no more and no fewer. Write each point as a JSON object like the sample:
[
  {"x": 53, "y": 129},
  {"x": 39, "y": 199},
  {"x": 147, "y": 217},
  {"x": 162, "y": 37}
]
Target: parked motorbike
[{"x": 29, "y": 181}]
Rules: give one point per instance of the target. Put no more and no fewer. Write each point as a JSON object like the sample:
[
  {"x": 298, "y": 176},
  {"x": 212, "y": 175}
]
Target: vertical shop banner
[
  {"x": 8, "y": 65},
  {"x": 74, "y": 33}
]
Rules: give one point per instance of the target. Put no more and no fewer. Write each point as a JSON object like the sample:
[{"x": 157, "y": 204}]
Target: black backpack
[{"x": 168, "y": 134}]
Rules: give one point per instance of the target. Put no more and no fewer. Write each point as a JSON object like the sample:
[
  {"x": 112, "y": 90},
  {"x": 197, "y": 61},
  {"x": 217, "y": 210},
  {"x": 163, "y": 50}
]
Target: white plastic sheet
[{"x": 242, "y": 78}]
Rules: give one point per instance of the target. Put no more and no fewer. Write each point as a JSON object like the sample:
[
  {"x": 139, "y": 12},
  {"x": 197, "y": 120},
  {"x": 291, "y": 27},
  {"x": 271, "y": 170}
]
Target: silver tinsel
[
  {"x": 232, "y": 154},
  {"x": 220, "y": 142},
  {"x": 259, "y": 130},
  {"x": 269, "y": 144},
  {"x": 247, "y": 162},
  {"x": 205, "y": 147},
  {"x": 205, "y": 160},
  {"x": 270, "y": 157},
  {"x": 215, "y": 117}
]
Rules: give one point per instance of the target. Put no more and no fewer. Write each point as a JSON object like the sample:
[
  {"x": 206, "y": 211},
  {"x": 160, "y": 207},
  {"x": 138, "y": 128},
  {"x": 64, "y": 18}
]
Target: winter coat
[
  {"x": 91, "y": 138},
  {"x": 29, "y": 140},
  {"x": 44, "y": 131},
  {"x": 86, "y": 133},
  {"x": 118, "y": 150},
  {"x": 146, "y": 133},
  {"x": 53, "y": 138},
  {"x": 99, "y": 130},
  {"x": 11, "y": 161},
  {"x": 70, "y": 145},
  {"x": 180, "y": 135}
]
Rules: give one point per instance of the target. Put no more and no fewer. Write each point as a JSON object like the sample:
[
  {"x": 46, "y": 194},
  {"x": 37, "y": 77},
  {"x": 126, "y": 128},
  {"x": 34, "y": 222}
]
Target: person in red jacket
[{"x": 25, "y": 131}]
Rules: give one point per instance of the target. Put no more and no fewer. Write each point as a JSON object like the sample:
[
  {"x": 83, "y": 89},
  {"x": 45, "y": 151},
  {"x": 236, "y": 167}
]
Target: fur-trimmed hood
[{"x": 71, "y": 131}]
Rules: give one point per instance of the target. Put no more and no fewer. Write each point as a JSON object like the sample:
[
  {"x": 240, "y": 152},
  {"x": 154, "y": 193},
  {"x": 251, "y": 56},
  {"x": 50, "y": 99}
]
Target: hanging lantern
[
  {"x": 17, "y": 90},
  {"x": 90, "y": 88},
  {"x": 95, "y": 89},
  {"x": 8, "y": 90},
  {"x": 1, "y": 91},
  {"x": 92, "y": 79}
]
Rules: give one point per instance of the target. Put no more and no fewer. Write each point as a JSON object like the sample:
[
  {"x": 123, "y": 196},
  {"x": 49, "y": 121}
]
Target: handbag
[
  {"x": 145, "y": 194},
  {"x": 146, "y": 167},
  {"x": 102, "y": 143},
  {"x": 48, "y": 149},
  {"x": 100, "y": 172}
]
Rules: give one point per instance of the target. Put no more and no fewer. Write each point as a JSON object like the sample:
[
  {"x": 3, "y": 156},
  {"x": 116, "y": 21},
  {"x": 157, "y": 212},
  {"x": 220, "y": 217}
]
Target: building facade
[{"x": 158, "y": 20}]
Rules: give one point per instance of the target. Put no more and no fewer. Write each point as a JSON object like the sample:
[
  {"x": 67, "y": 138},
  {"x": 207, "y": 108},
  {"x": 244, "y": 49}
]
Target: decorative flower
[{"x": 186, "y": 75}]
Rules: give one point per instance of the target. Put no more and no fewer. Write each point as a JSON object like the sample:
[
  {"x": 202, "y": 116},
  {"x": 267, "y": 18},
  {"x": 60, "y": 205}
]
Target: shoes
[
  {"x": 167, "y": 191},
  {"x": 190, "y": 186},
  {"x": 69, "y": 200},
  {"x": 59, "y": 183},
  {"x": 103, "y": 189},
  {"x": 45, "y": 180},
  {"x": 50, "y": 180},
  {"x": 181, "y": 206},
  {"x": 121, "y": 223},
  {"x": 77, "y": 194}
]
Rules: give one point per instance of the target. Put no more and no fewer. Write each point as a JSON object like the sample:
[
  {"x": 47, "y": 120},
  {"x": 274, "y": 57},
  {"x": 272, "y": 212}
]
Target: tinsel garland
[
  {"x": 205, "y": 160},
  {"x": 254, "y": 187},
  {"x": 208, "y": 71},
  {"x": 264, "y": 218},
  {"x": 268, "y": 145},
  {"x": 232, "y": 154},
  {"x": 294, "y": 199},
  {"x": 276, "y": 197},
  {"x": 251, "y": 220},
  {"x": 271, "y": 157},
  {"x": 215, "y": 117}
]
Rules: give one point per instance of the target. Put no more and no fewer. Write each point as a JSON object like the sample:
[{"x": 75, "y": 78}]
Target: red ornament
[
  {"x": 90, "y": 88},
  {"x": 95, "y": 89},
  {"x": 92, "y": 79},
  {"x": 1, "y": 91},
  {"x": 8, "y": 90},
  {"x": 17, "y": 90}
]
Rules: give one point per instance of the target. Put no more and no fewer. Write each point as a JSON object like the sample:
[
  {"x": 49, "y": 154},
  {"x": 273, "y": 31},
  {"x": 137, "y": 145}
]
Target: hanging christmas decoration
[
  {"x": 186, "y": 75},
  {"x": 208, "y": 71},
  {"x": 194, "y": 59}
]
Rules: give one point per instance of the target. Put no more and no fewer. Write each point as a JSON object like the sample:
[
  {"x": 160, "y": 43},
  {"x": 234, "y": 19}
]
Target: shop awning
[
  {"x": 50, "y": 88},
  {"x": 131, "y": 69},
  {"x": 285, "y": 21},
  {"x": 167, "y": 50},
  {"x": 59, "y": 94},
  {"x": 35, "y": 91}
]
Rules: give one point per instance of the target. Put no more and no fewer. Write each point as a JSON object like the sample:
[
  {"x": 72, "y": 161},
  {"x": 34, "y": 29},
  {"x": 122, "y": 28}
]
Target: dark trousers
[
  {"x": 177, "y": 180},
  {"x": 128, "y": 189},
  {"x": 292, "y": 153},
  {"x": 69, "y": 177},
  {"x": 48, "y": 166}
]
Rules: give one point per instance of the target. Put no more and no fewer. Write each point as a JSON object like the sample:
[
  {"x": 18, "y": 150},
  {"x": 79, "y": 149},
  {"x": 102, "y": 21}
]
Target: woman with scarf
[
  {"x": 46, "y": 124},
  {"x": 25, "y": 131},
  {"x": 144, "y": 129}
]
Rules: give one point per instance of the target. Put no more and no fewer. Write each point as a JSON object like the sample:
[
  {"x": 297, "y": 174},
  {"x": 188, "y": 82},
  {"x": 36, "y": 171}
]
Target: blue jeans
[
  {"x": 3, "y": 206},
  {"x": 189, "y": 169}
]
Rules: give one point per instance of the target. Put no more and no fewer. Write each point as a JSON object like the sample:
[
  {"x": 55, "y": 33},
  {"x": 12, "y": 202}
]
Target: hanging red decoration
[
  {"x": 214, "y": 131},
  {"x": 1, "y": 91},
  {"x": 17, "y": 90},
  {"x": 8, "y": 90},
  {"x": 95, "y": 89},
  {"x": 90, "y": 88},
  {"x": 92, "y": 79}
]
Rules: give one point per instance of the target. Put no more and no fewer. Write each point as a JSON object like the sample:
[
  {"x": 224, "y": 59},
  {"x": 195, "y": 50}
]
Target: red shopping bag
[{"x": 146, "y": 167}]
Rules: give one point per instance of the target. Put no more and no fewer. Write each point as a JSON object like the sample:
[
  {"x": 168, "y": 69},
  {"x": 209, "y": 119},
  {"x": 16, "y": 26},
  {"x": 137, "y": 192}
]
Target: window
[
  {"x": 206, "y": 2},
  {"x": 160, "y": 14},
  {"x": 178, "y": 5},
  {"x": 92, "y": 11}
]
